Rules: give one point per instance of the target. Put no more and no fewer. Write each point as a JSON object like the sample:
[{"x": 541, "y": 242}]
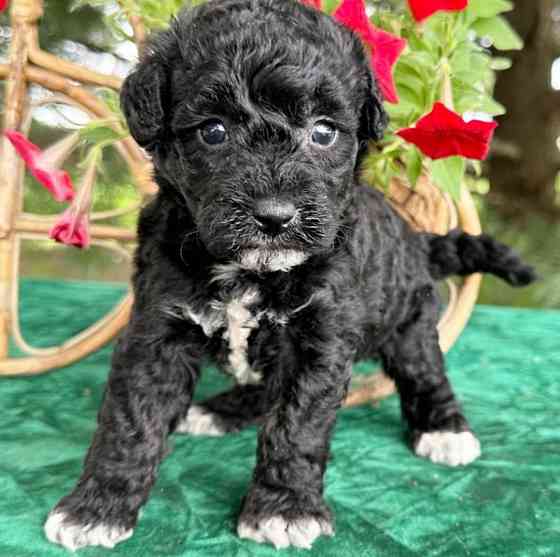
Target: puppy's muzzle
[{"x": 274, "y": 216}]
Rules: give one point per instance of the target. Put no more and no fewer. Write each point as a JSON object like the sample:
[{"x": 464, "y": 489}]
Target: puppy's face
[{"x": 256, "y": 112}]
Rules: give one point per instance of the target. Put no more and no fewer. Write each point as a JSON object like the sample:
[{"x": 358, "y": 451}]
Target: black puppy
[{"x": 263, "y": 251}]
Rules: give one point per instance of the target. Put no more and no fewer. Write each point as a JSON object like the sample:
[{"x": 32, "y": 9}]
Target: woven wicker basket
[{"x": 426, "y": 208}]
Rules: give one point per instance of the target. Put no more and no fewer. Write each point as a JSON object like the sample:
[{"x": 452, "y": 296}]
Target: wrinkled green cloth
[{"x": 387, "y": 502}]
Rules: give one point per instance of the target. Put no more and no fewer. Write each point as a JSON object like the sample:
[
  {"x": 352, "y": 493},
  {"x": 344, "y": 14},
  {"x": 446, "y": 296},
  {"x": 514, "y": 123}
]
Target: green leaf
[
  {"x": 500, "y": 32},
  {"x": 490, "y": 106},
  {"x": 157, "y": 14},
  {"x": 402, "y": 115},
  {"x": 100, "y": 131},
  {"x": 420, "y": 44},
  {"x": 472, "y": 100},
  {"x": 330, "y": 6},
  {"x": 469, "y": 64},
  {"x": 448, "y": 174},
  {"x": 500, "y": 63},
  {"x": 489, "y": 8},
  {"x": 411, "y": 96},
  {"x": 413, "y": 161}
]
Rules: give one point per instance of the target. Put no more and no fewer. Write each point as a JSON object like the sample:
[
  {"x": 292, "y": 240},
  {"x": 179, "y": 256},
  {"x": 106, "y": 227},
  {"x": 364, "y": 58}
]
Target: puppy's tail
[{"x": 459, "y": 253}]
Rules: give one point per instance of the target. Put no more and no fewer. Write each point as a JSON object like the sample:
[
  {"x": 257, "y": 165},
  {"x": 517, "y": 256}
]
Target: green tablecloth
[{"x": 506, "y": 370}]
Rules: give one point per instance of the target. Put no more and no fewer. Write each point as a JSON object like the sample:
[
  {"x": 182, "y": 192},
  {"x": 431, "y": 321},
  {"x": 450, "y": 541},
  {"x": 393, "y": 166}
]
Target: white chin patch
[
  {"x": 447, "y": 447},
  {"x": 281, "y": 533},
  {"x": 73, "y": 536},
  {"x": 199, "y": 422},
  {"x": 262, "y": 260}
]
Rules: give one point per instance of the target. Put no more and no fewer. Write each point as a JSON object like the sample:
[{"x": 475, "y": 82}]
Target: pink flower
[
  {"x": 422, "y": 9},
  {"x": 44, "y": 165},
  {"x": 443, "y": 133},
  {"x": 385, "y": 48},
  {"x": 317, "y": 4},
  {"x": 3, "y": 5},
  {"x": 72, "y": 227}
]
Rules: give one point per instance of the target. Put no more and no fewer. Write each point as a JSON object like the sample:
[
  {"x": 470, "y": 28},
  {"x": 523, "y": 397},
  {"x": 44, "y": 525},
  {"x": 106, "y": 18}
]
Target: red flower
[
  {"x": 44, "y": 164},
  {"x": 443, "y": 133},
  {"x": 72, "y": 227},
  {"x": 422, "y": 9},
  {"x": 3, "y": 5},
  {"x": 352, "y": 13},
  {"x": 385, "y": 48},
  {"x": 317, "y": 4}
]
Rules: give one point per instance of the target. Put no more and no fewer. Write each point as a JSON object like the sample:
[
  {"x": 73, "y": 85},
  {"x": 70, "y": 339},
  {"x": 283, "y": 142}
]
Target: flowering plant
[{"x": 435, "y": 68}]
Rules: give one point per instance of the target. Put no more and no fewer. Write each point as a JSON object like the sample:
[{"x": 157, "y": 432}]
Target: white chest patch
[
  {"x": 238, "y": 320},
  {"x": 239, "y": 324}
]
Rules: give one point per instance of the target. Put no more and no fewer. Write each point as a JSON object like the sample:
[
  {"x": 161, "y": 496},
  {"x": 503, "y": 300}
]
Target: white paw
[
  {"x": 447, "y": 447},
  {"x": 73, "y": 536},
  {"x": 199, "y": 422},
  {"x": 281, "y": 533}
]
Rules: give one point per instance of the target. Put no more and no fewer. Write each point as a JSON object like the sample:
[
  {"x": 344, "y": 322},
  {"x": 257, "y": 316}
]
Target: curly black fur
[{"x": 364, "y": 282}]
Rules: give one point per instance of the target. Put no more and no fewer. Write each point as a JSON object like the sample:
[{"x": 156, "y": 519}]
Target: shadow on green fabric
[{"x": 505, "y": 369}]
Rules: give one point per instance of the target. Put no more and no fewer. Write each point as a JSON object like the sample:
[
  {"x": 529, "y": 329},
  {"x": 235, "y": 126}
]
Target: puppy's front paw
[
  {"x": 61, "y": 528},
  {"x": 448, "y": 447},
  {"x": 91, "y": 515},
  {"x": 284, "y": 519},
  {"x": 281, "y": 532}
]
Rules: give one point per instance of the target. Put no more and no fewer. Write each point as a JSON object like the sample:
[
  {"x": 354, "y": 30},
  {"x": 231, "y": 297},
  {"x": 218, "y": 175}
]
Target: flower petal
[
  {"x": 28, "y": 151},
  {"x": 71, "y": 229},
  {"x": 352, "y": 13},
  {"x": 385, "y": 48},
  {"x": 57, "y": 181},
  {"x": 3, "y": 5},
  {"x": 385, "y": 51},
  {"x": 422, "y": 9},
  {"x": 443, "y": 133}
]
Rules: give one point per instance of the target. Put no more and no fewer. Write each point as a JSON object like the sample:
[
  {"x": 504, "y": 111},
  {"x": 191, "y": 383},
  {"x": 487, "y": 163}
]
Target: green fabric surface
[{"x": 387, "y": 502}]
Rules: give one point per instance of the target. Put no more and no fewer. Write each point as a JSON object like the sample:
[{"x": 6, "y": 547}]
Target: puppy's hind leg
[
  {"x": 412, "y": 357},
  {"x": 227, "y": 412}
]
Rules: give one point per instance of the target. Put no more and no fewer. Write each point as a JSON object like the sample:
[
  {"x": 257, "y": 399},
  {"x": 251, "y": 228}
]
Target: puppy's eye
[
  {"x": 213, "y": 132},
  {"x": 323, "y": 134}
]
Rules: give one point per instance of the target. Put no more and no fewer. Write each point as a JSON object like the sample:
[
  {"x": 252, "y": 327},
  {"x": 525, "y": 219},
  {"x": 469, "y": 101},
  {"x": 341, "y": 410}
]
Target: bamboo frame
[{"x": 28, "y": 63}]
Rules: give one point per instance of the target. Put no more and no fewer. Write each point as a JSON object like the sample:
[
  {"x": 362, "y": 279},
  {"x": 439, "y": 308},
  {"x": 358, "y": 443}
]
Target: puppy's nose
[{"x": 274, "y": 215}]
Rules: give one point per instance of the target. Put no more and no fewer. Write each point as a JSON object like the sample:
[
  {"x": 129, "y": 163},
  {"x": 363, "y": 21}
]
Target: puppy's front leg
[
  {"x": 150, "y": 385},
  {"x": 285, "y": 504}
]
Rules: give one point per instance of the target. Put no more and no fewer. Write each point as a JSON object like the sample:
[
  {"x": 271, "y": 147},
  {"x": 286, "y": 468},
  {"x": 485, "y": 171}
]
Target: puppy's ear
[
  {"x": 142, "y": 97},
  {"x": 374, "y": 119}
]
